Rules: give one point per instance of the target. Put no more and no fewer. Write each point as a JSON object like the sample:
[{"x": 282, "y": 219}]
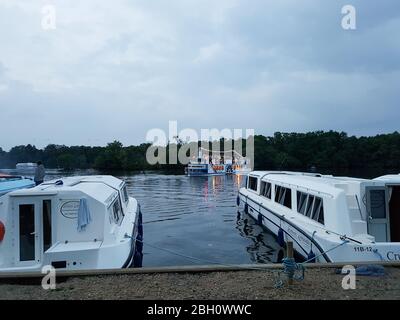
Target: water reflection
[{"x": 263, "y": 247}]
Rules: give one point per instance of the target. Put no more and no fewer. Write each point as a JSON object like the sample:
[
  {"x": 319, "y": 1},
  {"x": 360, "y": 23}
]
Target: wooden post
[{"x": 289, "y": 254}]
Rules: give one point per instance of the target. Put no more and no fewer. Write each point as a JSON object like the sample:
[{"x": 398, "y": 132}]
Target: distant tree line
[{"x": 281, "y": 151}]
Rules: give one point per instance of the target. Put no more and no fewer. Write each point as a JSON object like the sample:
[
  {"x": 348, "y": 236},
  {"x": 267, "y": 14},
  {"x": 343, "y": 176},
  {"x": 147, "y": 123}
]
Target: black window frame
[
  {"x": 283, "y": 196},
  {"x": 311, "y": 206},
  {"x": 266, "y": 189},
  {"x": 117, "y": 215},
  {"x": 252, "y": 182},
  {"x": 125, "y": 194},
  {"x": 263, "y": 185},
  {"x": 301, "y": 202}
]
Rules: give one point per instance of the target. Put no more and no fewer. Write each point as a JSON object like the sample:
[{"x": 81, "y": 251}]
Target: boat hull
[{"x": 324, "y": 245}]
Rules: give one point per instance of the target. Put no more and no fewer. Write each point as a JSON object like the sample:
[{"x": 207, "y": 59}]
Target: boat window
[
  {"x": 301, "y": 202},
  {"x": 283, "y": 196},
  {"x": 118, "y": 215},
  {"x": 310, "y": 204},
  {"x": 321, "y": 215},
  {"x": 46, "y": 225},
  {"x": 125, "y": 194},
  {"x": 316, "y": 209},
  {"x": 298, "y": 200},
  {"x": 266, "y": 189},
  {"x": 262, "y": 189},
  {"x": 253, "y": 183},
  {"x": 378, "y": 204},
  {"x": 277, "y": 193}
]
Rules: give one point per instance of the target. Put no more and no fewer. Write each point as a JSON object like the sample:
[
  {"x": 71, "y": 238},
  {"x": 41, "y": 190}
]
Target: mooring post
[{"x": 289, "y": 254}]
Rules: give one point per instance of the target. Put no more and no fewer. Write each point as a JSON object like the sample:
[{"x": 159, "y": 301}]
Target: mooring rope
[
  {"x": 291, "y": 268},
  {"x": 191, "y": 257},
  {"x": 379, "y": 254}
]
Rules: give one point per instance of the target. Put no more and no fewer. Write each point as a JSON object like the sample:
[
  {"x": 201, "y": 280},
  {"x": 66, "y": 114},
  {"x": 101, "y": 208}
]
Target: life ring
[{"x": 2, "y": 231}]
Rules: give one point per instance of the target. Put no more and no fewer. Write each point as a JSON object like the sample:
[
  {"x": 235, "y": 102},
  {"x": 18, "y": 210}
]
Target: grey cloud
[{"x": 115, "y": 70}]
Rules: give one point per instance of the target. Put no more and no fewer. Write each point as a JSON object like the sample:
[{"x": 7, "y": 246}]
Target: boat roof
[
  {"x": 390, "y": 178},
  {"x": 308, "y": 176},
  {"x": 101, "y": 188},
  {"x": 314, "y": 181}
]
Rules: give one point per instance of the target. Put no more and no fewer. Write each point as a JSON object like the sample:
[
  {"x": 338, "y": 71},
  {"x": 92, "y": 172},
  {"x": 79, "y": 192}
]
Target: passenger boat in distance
[
  {"x": 328, "y": 219},
  {"x": 210, "y": 163},
  {"x": 75, "y": 223},
  {"x": 9, "y": 183}
]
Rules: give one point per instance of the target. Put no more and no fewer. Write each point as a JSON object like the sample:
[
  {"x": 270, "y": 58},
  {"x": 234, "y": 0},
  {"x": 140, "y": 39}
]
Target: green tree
[{"x": 113, "y": 157}]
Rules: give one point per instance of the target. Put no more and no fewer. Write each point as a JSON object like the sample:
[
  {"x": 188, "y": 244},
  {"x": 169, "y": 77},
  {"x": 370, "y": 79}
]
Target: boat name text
[
  {"x": 70, "y": 209},
  {"x": 392, "y": 256}
]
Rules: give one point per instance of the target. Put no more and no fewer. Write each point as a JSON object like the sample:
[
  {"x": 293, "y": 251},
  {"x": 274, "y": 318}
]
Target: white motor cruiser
[
  {"x": 76, "y": 223},
  {"x": 328, "y": 219}
]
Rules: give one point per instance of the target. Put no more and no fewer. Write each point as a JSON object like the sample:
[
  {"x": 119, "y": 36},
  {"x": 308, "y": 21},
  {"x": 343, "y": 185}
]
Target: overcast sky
[{"x": 115, "y": 69}]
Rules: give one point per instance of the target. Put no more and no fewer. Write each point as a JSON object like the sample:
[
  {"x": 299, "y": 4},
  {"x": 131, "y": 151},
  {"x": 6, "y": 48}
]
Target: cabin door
[
  {"x": 394, "y": 209},
  {"x": 28, "y": 231},
  {"x": 378, "y": 214}
]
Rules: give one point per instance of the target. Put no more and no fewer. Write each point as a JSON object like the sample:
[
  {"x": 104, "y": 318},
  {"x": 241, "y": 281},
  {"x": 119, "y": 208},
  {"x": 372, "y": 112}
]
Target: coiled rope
[
  {"x": 292, "y": 270},
  {"x": 295, "y": 270}
]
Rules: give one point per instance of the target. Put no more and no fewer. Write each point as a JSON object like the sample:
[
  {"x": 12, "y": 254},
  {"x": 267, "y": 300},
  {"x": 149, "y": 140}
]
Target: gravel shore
[{"x": 318, "y": 284}]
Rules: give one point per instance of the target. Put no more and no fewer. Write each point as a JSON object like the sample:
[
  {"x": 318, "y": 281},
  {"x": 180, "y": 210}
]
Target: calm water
[{"x": 197, "y": 217}]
